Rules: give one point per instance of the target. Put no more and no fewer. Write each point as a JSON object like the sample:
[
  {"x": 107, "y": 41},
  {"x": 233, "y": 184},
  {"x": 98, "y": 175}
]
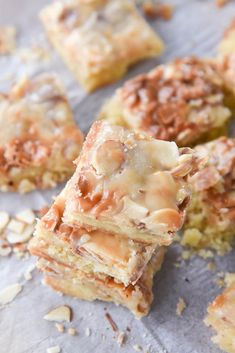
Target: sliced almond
[
  {"x": 59, "y": 327},
  {"x": 71, "y": 331},
  {"x": 5, "y": 251},
  {"x": 28, "y": 273},
  {"x": 53, "y": 349},
  {"x": 14, "y": 238},
  {"x": 4, "y": 219},
  {"x": 109, "y": 157},
  {"x": 16, "y": 226},
  {"x": 60, "y": 314},
  {"x": 26, "y": 216},
  {"x": 9, "y": 293},
  {"x": 133, "y": 210},
  {"x": 87, "y": 331}
]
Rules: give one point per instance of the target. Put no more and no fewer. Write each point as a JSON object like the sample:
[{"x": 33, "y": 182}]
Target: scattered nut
[
  {"x": 181, "y": 305},
  {"x": 26, "y": 216},
  {"x": 61, "y": 313},
  {"x": 28, "y": 273},
  {"x": 59, "y": 327},
  {"x": 5, "y": 251},
  {"x": 53, "y": 349},
  {"x": 4, "y": 219},
  {"x": 88, "y": 332},
  {"x": 71, "y": 331},
  {"x": 16, "y": 226},
  {"x": 137, "y": 348},
  {"x": 23, "y": 237},
  {"x": 9, "y": 293},
  {"x": 121, "y": 338}
]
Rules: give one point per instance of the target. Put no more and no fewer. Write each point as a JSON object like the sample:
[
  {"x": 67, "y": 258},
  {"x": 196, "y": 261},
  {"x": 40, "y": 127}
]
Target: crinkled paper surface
[{"x": 196, "y": 28}]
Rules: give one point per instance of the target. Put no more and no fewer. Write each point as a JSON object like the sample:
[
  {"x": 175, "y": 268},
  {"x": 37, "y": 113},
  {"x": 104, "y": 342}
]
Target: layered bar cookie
[
  {"x": 128, "y": 183},
  {"x": 74, "y": 282},
  {"x": 91, "y": 251},
  {"x": 183, "y": 101},
  {"x": 221, "y": 316},
  {"x": 210, "y": 220},
  {"x": 39, "y": 139},
  {"x": 99, "y": 40}
]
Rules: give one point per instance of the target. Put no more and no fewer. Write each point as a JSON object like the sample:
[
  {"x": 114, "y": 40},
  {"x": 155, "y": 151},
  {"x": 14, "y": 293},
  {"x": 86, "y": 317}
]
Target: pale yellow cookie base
[{"x": 136, "y": 298}]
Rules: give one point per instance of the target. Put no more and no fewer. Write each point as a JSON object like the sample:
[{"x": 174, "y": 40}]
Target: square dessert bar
[
  {"x": 39, "y": 138},
  {"x": 91, "y": 251},
  {"x": 130, "y": 184},
  {"x": 183, "y": 101},
  {"x": 210, "y": 220},
  {"x": 137, "y": 298},
  {"x": 99, "y": 40},
  {"x": 221, "y": 316}
]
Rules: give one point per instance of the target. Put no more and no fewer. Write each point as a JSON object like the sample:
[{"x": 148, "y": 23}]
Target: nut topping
[
  {"x": 9, "y": 293},
  {"x": 109, "y": 157},
  {"x": 59, "y": 314}
]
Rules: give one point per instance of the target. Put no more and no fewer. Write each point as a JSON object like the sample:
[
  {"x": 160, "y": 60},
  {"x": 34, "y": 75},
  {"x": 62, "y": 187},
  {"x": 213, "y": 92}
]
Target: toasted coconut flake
[
  {"x": 26, "y": 216},
  {"x": 60, "y": 314},
  {"x": 53, "y": 349},
  {"x": 4, "y": 219},
  {"x": 9, "y": 293}
]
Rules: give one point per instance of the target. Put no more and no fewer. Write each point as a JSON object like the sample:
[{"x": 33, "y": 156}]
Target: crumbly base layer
[
  {"x": 76, "y": 283},
  {"x": 53, "y": 247},
  {"x": 202, "y": 231},
  {"x": 29, "y": 179}
]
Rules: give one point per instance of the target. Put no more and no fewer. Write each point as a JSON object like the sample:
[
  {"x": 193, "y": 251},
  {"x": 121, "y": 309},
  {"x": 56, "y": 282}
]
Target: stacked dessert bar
[{"x": 105, "y": 234}]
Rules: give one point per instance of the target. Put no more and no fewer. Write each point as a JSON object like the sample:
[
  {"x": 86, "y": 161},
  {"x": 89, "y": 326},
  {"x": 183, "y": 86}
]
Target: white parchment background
[{"x": 195, "y": 29}]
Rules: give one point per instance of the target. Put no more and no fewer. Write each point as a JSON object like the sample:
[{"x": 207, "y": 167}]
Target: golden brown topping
[
  {"x": 176, "y": 101},
  {"x": 23, "y": 153}
]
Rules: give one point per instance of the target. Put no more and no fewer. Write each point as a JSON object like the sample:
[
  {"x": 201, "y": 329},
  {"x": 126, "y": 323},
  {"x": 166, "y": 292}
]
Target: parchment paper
[{"x": 196, "y": 28}]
